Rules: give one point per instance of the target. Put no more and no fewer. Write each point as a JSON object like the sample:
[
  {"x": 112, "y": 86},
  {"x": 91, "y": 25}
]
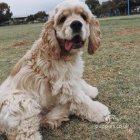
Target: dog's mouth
[{"x": 75, "y": 43}]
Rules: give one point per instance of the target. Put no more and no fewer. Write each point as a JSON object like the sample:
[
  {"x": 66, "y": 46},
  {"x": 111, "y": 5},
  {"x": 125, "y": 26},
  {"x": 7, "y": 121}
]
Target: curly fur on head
[
  {"x": 50, "y": 40},
  {"x": 58, "y": 30},
  {"x": 95, "y": 36}
]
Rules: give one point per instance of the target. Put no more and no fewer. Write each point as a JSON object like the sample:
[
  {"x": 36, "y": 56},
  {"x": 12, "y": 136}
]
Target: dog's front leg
[
  {"x": 83, "y": 106},
  {"x": 88, "y": 89}
]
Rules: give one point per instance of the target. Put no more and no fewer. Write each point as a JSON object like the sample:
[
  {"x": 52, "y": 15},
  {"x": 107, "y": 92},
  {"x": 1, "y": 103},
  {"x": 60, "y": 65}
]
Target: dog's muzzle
[{"x": 75, "y": 43}]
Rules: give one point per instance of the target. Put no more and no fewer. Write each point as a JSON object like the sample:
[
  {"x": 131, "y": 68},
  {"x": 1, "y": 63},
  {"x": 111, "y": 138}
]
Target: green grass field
[{"x": 114, "y": 69}]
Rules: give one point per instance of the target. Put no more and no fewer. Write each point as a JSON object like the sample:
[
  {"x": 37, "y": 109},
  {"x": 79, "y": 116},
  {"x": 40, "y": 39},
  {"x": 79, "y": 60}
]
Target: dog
[{"x": 46, "y": 85}]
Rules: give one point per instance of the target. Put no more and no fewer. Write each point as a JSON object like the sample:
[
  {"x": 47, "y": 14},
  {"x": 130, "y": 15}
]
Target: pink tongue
[{"x": 68, "y": 45}]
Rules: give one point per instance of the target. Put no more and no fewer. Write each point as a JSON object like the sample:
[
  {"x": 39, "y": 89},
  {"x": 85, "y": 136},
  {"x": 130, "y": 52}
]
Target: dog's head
[{"x": 68, "y": 27}]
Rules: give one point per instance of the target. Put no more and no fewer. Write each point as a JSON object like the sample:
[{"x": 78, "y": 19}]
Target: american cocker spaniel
[{"x": 46, "y": 85}]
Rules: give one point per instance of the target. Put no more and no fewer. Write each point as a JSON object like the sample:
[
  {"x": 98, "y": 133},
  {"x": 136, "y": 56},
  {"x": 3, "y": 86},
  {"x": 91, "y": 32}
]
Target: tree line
[
  {"x": 109, "y": 8},
  {"x": 6, "y": 14},
  {"x": 38, "y": 16},
  {"x": 112, "y": 7}
]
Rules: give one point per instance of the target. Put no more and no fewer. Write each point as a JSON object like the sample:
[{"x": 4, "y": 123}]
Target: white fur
[{"x": 46, "y": 91}]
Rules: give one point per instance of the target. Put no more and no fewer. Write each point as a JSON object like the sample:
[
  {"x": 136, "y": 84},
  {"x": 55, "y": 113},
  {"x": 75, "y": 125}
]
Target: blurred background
[{"x": 23, "y": 12}]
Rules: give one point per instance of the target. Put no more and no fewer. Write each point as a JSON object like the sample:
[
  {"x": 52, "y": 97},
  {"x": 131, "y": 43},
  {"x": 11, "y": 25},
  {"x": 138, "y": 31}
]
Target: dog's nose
[{"x": 76, "y": 26}]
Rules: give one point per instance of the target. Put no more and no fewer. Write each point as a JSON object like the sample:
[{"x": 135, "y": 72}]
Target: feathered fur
[{"x": 46, "y": 85}]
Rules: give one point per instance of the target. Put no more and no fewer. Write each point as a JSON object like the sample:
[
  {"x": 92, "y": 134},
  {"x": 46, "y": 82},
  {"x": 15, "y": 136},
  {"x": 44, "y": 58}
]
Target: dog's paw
[
  {"x": 54, "y": 123},
  {"x": 100, "y": 112},
  {"x": 94, "y": 92}
]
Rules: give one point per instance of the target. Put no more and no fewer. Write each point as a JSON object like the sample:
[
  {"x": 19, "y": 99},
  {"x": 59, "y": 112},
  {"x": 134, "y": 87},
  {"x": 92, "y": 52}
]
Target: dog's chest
[{"x": 66, "y": 69}]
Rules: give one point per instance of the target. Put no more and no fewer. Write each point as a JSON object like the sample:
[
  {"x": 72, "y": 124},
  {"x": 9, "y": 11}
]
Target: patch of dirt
[
  {"x": 130, "y": 44},
  {"x": 106, "y": 74},
  {"x": 22, "y": 44},
  {"x": 126, "y": 31}
]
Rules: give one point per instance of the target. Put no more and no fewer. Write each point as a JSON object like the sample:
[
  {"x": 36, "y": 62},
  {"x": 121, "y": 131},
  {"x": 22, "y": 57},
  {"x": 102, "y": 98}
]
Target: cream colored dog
[{"x": 46, "y": 85}]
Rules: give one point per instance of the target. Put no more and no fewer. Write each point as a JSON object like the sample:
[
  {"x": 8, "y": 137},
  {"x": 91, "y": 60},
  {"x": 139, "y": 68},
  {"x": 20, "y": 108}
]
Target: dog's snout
[{"x": 76, "y": 26}]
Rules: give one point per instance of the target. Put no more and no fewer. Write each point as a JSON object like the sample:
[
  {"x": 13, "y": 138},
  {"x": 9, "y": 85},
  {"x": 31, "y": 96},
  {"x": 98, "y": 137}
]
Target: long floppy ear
[
  {"x": 50, "y": 40},
  {"x": 95, "y": 35}
]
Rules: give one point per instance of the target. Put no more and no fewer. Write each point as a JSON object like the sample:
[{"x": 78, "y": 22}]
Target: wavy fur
[{"x": 44, "y": 88}]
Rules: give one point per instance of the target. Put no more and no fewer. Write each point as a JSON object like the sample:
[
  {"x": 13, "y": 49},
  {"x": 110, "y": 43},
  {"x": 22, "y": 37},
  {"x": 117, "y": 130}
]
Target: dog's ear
[
  {"x": 95, "y": 35},
  {"x": 50, "y": 40}
]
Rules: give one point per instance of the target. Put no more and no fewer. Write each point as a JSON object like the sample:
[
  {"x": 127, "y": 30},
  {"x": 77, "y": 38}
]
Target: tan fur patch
[
  {"x": 21, "y": 106},
  {"x": 1, "y": 106},
  {"x": 95, "y": 36},
  {"x": 17, "y": 67},
  {"x": 52, "y": 49},
  {"x": 81, "y": 11},
  {"x": 78, "y": 10}
]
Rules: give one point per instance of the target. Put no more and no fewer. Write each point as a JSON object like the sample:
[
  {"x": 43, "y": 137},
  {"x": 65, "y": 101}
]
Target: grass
[{"x": 114, "y": 69}]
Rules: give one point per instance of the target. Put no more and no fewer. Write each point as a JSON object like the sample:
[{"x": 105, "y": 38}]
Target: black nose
[{"x": 76, "y": 26}]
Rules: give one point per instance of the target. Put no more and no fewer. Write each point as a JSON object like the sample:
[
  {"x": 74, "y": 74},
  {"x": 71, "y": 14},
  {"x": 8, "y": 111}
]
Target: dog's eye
[
  {"x": 84, "y": 16},
  {"x": 62, "y": 19}
]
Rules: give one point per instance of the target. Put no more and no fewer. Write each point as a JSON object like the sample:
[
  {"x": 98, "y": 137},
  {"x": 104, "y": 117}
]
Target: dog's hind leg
[
  {"x": 19, "y": 116},
  {"x": 56, "y": 116}
]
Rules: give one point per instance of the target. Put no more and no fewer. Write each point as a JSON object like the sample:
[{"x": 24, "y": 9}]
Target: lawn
[{"x": 114, "y": 69}]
